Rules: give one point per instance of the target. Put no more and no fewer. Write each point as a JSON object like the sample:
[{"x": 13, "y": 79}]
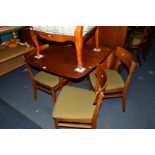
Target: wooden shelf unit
[{"x": 12, "y": 58}]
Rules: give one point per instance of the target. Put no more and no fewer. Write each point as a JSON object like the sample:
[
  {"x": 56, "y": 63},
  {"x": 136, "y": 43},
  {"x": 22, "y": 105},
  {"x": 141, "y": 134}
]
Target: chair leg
[
  {"x": 53, "y": 95},
  {"x": 79, "y": 47},
  {"x": 97, "y": 38},
  {"x": 34, "y": 91},
  {"x": 93, "y": 125},
  {"x": 124, "y": 102},
  {"x": 90, "y": 86},
  {"x": 34, "y": 39},
  {"x": 144, "y": 52},
  {"x": 138, "y": 56},
  {"x": 56, "y": 123},
  {"x": 148, "y": 44}
]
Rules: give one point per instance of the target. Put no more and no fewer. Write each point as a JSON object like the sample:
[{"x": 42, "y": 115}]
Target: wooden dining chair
[
  {"x": 76, "y": 34},
  {"x": 140, "y": 42},
  {"x": 46, "y": 82},
  {"x": 77, "y": 107},
  {"x": 116, "y": 86}
]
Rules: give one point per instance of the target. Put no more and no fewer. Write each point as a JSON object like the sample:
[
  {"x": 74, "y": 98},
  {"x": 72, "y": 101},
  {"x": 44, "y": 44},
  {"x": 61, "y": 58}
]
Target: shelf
[
  {"x": 11, "y": 59},
  {"x": 8, "y": 29},
  {"x": 10, "y": 53}
]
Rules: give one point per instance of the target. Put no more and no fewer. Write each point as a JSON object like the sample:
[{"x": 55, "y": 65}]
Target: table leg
[{"x": 34, "y": 38}]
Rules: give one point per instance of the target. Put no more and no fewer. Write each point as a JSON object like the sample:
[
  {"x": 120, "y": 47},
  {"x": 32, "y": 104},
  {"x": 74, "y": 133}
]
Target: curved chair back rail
[{"x": 128, "y": 60}]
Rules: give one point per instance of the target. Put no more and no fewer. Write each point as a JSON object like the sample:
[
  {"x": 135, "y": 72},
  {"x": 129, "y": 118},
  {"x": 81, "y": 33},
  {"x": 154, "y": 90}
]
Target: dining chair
[
  {"x": 76, "y": 34},
  {"x": 78, "y": 107},
  {"x": 140, "y": 42},
  {"x": 46, "y": 82},
  {"x": 116, "y": 85}
]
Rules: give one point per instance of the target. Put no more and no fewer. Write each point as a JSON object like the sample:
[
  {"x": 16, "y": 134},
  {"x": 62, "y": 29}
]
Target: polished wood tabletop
[{"x": 62, "y": 61}]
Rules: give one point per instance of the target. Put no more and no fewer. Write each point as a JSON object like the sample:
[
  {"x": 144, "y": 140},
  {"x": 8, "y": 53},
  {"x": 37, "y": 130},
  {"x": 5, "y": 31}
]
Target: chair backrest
[
  {"x": 125, "y": 56},
  {"x": 141, "y": 32},
  {"x": 101, "y": 83},
  {"x": 101, "y": 78},
  {"x": 144, "y": 33},
  {"x": 128, "y": 60}
]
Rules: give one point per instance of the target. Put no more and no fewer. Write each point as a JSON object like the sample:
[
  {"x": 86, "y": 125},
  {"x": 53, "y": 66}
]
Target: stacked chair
[{"x": 139, "y": 41}]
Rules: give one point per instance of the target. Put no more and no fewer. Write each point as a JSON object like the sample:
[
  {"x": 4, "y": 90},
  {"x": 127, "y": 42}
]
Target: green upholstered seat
[
  {"x": 46, "y": 79},
  {"x": 137, "y": 38},
  {"x": 75, "y": 103},
  {"x": 114, "y": 80}
]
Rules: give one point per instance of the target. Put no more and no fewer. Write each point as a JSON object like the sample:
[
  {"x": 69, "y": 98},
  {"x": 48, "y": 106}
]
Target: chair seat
[
  {"x": 46, "y": 79},
  {"x": 114, "y": 80},
  {"x": 137, "y": 38},
  {"x": 75, "y": 104},
  {"x": 136, "y": 41},
  {"x": 61, "y": 30}
]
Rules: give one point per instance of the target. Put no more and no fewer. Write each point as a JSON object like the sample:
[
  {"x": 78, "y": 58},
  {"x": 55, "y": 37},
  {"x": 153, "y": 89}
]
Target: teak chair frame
[
  {"x": 75, "y": 123},
  {"x": 128, "y": 60},
  {"x": 50, "y": 90}
]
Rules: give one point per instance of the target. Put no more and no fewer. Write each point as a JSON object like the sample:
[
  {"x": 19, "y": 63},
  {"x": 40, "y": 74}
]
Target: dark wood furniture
[
  {"x": 111, "y": 36},
  {"x": 78, "y": 38},
  {"x": 61, "y": 60},
  {"x": 79, "y": 108}
]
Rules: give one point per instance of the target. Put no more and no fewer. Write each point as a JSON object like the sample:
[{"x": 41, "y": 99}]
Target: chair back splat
[
  {"x": 101, "y": 76},
  {"x": 129, "y": 61},
  {"x": 125, "y": 56}
]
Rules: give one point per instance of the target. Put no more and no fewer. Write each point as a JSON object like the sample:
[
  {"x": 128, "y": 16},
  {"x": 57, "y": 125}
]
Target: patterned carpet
[
  {"x": 16, "y": 90},
  {"x": 12, "y": 119}
]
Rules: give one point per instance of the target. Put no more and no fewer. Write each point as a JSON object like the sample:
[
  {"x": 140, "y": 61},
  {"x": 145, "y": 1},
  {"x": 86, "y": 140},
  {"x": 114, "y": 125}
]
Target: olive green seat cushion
[
  {"x": 75, "y": 103},
  {"x": 114, "y": 80},
  {"x": 47, "y": 79},
  {"x": 136, "y": 41},
  {"x": 137, "y": 38}
]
